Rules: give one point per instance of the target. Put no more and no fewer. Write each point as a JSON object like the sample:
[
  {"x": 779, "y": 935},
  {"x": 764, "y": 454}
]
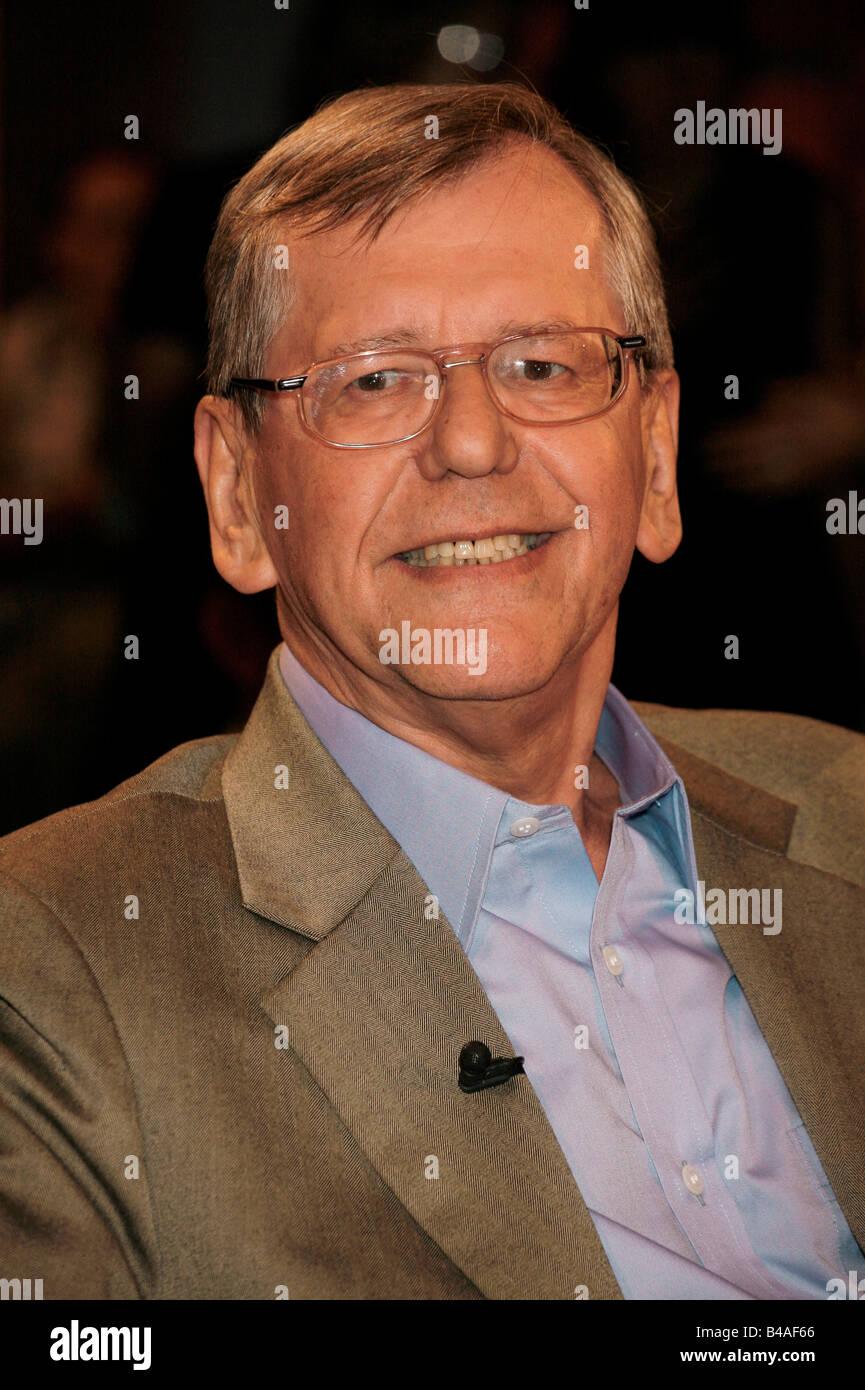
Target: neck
[{"x": 529, "y": 745}]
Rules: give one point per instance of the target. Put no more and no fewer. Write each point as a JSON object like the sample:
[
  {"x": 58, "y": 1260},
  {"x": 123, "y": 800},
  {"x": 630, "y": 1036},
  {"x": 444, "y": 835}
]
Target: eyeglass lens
[{"x": 385, "y": 397}]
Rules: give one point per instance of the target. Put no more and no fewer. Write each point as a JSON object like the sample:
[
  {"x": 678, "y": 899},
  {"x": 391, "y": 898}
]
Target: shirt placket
[{"x": 663, "y": 1092}]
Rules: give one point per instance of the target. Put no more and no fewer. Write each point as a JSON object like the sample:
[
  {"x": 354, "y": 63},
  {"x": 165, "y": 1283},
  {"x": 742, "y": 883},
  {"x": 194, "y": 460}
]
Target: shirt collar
[{"x": 446, "y": 821}]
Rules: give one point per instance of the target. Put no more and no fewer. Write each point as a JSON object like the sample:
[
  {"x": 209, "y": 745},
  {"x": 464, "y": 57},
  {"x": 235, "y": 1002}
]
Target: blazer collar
[
  {"x": 307, "y": 845},
  {"x": 296, "y": 820}
]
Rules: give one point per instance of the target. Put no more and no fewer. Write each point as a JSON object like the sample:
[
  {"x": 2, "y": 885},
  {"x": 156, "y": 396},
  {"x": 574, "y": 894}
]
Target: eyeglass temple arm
[{"x": 255, "y": 383}]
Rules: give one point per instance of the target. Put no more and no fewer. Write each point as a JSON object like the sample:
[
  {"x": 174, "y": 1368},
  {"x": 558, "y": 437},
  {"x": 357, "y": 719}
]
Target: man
[{"x": 242, "y": 985}]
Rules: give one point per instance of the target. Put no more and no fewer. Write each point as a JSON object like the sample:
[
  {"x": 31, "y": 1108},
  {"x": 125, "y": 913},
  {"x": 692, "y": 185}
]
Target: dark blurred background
[{"x": 104, "y": 241}]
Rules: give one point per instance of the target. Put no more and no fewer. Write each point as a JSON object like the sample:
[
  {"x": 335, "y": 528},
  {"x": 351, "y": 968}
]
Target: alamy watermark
[
  {"x": 77, "y": 1343},
  {"x": 854, "y": 1289},
  {"x": 738, "y": 126},
  {"x": 846, "y": 518},
  {"x": 20, "y": 1290},
  {"x": 444, "y": 646},
  {"x": 22, "y": 516},
  {"x": 729, "y": 907}
]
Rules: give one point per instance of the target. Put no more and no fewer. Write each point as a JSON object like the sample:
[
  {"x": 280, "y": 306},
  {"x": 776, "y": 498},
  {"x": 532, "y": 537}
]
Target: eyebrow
[{"x": 414, "y": 337}]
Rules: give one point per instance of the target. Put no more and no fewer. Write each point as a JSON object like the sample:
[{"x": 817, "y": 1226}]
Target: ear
[
  {"x": 660, "y": 529},
  {"x": 225, "y": 458}
]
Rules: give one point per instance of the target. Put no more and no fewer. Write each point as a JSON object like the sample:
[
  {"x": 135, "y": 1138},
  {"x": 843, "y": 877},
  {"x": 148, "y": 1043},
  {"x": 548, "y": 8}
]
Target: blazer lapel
[
  {"x": 804, "y": 984},
  {"x": 378, "y": 1010}
]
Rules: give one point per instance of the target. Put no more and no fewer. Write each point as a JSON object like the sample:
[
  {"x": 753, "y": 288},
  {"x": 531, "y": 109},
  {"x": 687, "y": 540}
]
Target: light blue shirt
[{"x": 636, "y": 1035}]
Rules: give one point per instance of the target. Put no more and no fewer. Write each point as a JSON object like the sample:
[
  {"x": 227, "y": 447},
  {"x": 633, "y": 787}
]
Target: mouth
[{"x": 486, "y": 550}]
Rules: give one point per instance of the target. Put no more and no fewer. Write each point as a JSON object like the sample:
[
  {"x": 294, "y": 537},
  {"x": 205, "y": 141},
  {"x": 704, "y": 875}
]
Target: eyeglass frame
[{"x": 627, "y": 345}]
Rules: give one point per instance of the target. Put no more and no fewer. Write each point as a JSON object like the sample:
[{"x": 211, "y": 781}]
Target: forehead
[{"x": 497, "y": 246}]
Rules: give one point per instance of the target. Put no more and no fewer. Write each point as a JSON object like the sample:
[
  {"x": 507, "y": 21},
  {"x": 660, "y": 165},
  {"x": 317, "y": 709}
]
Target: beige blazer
[{"x": 229, "y": 1034}]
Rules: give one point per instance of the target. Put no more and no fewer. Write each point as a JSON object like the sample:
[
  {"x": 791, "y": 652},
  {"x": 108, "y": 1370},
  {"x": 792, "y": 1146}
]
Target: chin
[{"x": 484, "y": 675}]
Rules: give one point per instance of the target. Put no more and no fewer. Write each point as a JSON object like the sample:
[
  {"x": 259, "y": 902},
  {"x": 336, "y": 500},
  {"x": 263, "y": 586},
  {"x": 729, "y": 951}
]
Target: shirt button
[
  {"x": 613, "y": 960},
  {"x": 526, "y": 826},
  {"x": 692, "y": 1179}
]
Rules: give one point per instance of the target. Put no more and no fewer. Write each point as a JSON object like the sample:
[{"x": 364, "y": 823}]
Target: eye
[
  {"x": 374, "y": 381},
  {"x": 536, "y": 370}
]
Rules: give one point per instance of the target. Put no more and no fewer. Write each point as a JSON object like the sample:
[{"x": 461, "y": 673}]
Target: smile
[{"x": 489, "y": 550}]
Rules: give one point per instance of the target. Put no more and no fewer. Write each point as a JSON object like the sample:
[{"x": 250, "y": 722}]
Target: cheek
[
  {"x": 617, "y": 505},
  {"x": 311, "y": 489},
  {"x": 332, "y": 502},
  {"x": 597, "y": 467}
]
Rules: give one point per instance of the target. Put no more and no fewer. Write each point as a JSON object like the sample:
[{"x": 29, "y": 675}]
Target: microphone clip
[{"x": 478, "y": 1069}]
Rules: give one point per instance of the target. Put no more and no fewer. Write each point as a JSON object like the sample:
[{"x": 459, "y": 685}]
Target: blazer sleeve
[{"x": 72, "y": 1213}]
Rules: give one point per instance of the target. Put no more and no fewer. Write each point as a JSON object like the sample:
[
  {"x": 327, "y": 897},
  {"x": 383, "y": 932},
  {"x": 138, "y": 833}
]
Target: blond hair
[{"x": 364, "y": 155}]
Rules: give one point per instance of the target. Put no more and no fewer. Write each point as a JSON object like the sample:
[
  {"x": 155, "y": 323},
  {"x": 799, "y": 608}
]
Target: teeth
[{"x": 484, "y": 551}]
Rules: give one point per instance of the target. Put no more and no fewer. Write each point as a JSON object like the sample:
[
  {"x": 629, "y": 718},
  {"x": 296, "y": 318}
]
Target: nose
[{"x": 469, "y": 435}]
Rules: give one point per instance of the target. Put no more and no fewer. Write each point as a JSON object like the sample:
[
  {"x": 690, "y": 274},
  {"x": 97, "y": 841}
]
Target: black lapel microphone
[{"x": 479, "y": 1069}]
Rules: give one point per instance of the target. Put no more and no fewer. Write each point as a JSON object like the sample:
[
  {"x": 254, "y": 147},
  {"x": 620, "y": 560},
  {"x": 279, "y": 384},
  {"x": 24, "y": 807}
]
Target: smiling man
[
  {"x": 392, "y": 996},
  {"x": 470, "y": 264}
]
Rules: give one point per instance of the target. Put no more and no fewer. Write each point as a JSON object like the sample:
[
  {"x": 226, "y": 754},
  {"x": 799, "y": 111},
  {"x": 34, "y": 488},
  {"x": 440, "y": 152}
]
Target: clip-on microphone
[{"x": 478, "y": 1068}]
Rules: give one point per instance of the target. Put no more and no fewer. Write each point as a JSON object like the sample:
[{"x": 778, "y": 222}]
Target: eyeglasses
[{"x": 383, "y": 397}]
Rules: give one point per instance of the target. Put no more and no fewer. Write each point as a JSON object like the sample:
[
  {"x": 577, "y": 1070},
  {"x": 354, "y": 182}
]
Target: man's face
[{"x": 463, "y": 266}]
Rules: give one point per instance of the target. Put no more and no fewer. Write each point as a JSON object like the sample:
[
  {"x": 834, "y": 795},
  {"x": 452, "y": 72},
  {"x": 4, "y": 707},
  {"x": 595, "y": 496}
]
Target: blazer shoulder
[
  {"x": 191, "y": 772},
  {"x": 818, "y": 767}
]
